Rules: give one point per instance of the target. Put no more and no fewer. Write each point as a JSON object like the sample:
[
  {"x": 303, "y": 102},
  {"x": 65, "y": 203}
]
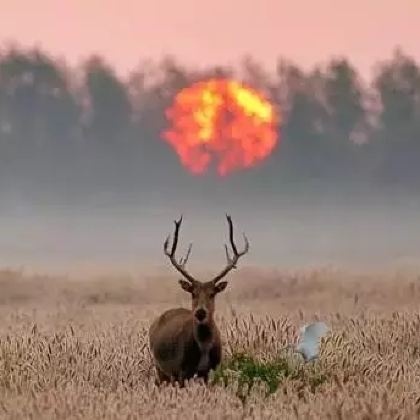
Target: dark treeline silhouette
[{"x": 68, "y": 132}]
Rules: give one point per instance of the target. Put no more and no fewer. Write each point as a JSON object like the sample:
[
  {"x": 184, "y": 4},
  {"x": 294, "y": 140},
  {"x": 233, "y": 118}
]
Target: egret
[{"x": 309, "y": 340}]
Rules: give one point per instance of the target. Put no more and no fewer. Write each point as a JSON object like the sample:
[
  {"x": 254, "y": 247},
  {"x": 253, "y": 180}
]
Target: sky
[{"x": 215, "y": 31}]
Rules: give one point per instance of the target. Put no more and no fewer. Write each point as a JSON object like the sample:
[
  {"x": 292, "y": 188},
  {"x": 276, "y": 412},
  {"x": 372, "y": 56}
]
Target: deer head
[{"x": 203, "y": 293}]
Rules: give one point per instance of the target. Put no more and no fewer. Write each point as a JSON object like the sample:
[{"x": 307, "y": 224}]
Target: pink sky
[{"x": 215, "y": 31}]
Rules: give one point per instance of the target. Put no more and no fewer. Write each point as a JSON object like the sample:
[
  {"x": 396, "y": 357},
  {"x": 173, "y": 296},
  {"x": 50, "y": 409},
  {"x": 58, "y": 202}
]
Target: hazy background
[{"x": 88, "y": 184}]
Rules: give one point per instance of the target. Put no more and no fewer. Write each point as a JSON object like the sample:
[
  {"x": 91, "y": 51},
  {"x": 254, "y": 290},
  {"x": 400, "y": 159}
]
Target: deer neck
[
  {"x": 204, "y": 337},
  {"x": 204, "y": 333}
]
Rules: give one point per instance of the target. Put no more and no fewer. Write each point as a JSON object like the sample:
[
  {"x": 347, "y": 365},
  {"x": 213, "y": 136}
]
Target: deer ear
[
  {"x": 221, "y": 286},
  {"x": 186, "y": 286}
]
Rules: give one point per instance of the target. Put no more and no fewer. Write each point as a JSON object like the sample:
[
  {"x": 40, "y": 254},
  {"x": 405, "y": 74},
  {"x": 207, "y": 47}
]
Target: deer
[{"x": 186, "y": 343}]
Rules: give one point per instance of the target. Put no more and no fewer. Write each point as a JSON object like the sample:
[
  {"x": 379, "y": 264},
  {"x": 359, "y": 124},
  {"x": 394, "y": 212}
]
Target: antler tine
[
  {"x": 175, "y": 241},
  {"x": 184, "y": 260},
  {"x": 232, "y": 260},
  {"x": 246, "y": 248},
  {"x": 232, "y": 241},
  {"x": 227, "y": 253},
  {"x": 179, "y": 265}
]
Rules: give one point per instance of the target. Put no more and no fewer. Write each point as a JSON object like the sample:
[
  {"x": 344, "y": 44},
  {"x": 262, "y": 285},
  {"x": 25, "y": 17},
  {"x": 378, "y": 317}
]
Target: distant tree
[
  {"x": 38, "y": 104},
  {"x": 323, "y": 118},
  {"x": 303, "y": 148},
  {"x": 152, "y": 91},
  {"x": 39, "y": 114},
  {"x": 397, "y": 138},
  {"x": 344, "y": 97},
  {"x": 346, "y": 119},
  {"x": 108, "y": 128},
  {"x": 256, "y": 75},
  {"x": 109, "y": 111}
]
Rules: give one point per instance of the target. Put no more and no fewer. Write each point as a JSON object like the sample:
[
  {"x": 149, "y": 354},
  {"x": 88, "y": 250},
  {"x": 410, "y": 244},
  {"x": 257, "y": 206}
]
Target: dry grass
[{"x": 78, "y": 349}]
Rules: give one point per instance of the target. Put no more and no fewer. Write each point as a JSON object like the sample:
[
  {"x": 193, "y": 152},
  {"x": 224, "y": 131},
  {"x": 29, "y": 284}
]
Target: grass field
[{"x": 78, "y": 348}]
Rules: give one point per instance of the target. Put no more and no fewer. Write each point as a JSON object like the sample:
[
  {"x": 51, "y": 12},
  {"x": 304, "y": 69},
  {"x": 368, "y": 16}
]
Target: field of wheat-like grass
[{"x": 78, "y": 348}]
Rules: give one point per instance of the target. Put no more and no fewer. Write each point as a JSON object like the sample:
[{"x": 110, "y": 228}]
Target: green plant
[{"x": 248, "y": 371}]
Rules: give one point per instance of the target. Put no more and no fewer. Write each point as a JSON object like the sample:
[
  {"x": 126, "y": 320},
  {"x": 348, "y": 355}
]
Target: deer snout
[{"x": 200, "y": 314}]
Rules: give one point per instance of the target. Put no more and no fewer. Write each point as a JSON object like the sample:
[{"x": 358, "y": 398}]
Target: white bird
[{"x": 309, "y": 340}]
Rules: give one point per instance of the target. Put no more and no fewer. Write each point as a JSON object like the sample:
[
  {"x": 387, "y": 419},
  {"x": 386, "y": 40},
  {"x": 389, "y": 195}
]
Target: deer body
[
  {"x": 182, "y": 349},
  {"x": 186, "y": 343}
]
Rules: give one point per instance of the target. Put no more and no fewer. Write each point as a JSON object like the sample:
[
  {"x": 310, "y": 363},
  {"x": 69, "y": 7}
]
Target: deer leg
[
  {"x": 203, "y": 376},
  {"x": 162, "y": 377},
  {"x": 215, "y": 357}
]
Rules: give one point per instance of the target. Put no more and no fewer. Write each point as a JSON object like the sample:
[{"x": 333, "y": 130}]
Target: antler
[
  {"x": 232, "y": 261},
  {"x": 179, "y": 265}
]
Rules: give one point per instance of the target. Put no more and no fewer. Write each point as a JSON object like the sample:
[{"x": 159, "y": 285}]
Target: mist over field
[{"x": 290, "y": 231}]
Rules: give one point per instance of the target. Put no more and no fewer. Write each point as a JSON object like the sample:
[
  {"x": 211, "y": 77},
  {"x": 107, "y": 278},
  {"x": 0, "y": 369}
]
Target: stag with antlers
[{"x": 186, "y": 343}]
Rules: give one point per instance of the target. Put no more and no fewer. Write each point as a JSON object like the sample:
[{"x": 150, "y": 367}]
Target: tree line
[{"x": 84, "y": 129}]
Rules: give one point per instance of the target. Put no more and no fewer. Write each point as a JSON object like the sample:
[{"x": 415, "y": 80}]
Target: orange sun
[{"x": 221, "y": 120}]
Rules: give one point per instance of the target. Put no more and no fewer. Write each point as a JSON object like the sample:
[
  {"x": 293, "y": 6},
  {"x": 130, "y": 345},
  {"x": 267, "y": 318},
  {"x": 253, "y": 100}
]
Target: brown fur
[{"x": 177, "y": 346}]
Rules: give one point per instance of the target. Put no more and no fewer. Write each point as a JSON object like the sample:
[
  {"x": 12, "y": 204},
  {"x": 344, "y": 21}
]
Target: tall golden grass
[{"x": 78, "y": 348}]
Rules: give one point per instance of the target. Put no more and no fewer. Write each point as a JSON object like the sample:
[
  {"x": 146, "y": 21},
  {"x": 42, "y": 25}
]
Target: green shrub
[{"x": 247, "y": 371}]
